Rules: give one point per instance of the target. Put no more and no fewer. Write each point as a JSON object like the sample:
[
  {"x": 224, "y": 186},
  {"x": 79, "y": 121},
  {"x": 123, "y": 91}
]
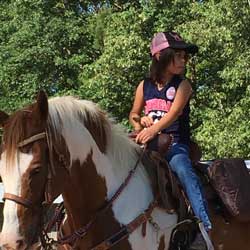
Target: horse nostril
[
  {"x": 3, "y": 247},
  {"x": 20, "y": 244},
  {"x": 6, "y": 247}
]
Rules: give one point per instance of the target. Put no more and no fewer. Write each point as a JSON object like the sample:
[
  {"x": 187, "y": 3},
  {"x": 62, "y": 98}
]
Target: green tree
[
  {"x": 221, "y": 104},
  {"x": 43, "y": 45},
  {"x": 99, "y": 50}
]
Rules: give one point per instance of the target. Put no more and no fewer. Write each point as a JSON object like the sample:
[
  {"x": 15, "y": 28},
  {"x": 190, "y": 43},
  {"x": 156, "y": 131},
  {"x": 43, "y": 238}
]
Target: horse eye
[
  {"x": 26, "y": 149},
  {"x": 35, "y": 170}
]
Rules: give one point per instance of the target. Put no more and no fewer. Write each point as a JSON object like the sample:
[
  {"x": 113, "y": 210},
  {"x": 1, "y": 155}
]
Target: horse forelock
[{"x": 14, "y": 132}]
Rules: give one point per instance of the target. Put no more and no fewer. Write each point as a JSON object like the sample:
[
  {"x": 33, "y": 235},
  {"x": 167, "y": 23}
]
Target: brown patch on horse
[
  {"x": 33, "y": 184},
  {"x": 229, "y": 235},
  {"x": 23, "y": 124},
  {"x": 162, "y": 243},
  {"x": 98, "y": 127},
  {"x": 84, "y": 195}
]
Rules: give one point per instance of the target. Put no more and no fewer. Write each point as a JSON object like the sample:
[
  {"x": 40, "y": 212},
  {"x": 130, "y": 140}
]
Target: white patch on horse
[
  {"x": 64, "y": 117},
  {"x": 11, "y": 178},
  {"x": 114, "y": 167},
  {"x": 138, "y": 194}
]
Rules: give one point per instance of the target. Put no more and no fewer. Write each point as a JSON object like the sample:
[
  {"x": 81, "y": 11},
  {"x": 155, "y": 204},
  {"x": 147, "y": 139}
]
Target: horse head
[
  {"x": 24, "y": 168},
  {"x": 47, "y": 150},
  {"x": 69, "y": 146}
]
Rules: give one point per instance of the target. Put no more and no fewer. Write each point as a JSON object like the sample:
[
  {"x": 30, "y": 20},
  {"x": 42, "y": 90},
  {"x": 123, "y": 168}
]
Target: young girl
[{"x": 164, "y": 96}]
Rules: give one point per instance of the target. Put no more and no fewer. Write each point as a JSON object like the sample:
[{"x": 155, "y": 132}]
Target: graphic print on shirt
[{"x": 157, "y": 108}]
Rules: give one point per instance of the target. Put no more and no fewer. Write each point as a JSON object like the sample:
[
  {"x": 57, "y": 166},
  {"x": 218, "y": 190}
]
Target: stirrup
[{"x": 206, "y": 236}]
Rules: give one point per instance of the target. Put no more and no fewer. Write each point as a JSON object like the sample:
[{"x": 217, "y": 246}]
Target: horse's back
[{"x": 229, "y": 234}]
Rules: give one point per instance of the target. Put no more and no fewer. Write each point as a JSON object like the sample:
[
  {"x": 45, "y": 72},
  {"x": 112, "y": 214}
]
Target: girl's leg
[{"x": 180, "y": 163}]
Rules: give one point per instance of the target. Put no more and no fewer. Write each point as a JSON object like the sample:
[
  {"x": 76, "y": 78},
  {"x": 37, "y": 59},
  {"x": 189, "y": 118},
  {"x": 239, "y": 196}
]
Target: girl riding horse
[{"x": 164, "y": 96}]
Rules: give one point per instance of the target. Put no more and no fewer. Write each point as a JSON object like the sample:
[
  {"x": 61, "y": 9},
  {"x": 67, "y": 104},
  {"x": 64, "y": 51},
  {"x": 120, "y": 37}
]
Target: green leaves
[
  {"x": 99, "y": 50},
  {"x": 43, "y": 47},
  {"x": 111, "y": 79},
  {"x": 221, "y": 109}
]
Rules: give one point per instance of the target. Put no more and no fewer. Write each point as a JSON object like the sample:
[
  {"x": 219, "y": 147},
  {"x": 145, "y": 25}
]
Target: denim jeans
[{"x": 180, "y": 163}]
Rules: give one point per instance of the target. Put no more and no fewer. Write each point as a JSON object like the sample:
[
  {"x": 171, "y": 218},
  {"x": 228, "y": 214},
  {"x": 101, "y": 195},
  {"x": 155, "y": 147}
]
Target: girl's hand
[
  {"x": 147, "y": 121},
  {"x": 146, "y": 135}
]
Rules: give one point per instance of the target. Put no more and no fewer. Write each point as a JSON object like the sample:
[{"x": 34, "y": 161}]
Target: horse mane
[
  {"x": 64, "y": 112},
  {"x": 109, "y": 137}
]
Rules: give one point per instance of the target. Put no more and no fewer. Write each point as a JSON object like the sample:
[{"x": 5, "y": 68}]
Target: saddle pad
[{"x": 231, "y": 180}]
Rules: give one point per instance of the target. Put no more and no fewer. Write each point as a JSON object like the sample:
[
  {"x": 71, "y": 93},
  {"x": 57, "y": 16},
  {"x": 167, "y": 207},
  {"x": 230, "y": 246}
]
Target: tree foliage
[{"x": 99, "y": 50}]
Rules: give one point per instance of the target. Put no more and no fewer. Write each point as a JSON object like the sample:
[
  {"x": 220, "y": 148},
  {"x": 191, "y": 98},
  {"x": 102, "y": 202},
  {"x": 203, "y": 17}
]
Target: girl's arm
[
  {"x": 182, "y": 96},
  {"x": 135, "y": 113}
]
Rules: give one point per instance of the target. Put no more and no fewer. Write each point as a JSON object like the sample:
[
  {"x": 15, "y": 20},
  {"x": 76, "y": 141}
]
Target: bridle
[
  {"x": 18, "y": 199},
  {"x": 81, "y": 232},
  {"x": 46, "y": 242}
]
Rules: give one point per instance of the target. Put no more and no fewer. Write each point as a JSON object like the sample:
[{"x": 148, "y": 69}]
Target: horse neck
[
  {"x": 84, "y": 194},
  {"x": 95, "y": 180},
  {"x": 124, "y": 155}
]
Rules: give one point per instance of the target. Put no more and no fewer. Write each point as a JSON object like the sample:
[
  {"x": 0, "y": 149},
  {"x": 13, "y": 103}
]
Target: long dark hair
[{"x": 158, "y": 67}]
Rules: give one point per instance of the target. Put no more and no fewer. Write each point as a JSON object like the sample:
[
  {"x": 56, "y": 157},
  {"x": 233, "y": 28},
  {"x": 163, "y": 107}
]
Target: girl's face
[{"x": 177, "y": 66}]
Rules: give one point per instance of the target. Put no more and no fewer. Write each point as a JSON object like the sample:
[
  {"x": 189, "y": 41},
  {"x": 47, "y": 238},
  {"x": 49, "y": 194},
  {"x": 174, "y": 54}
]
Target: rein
[
  {"x": 71, "y": 239},
  {"x": 81, "y": 232},
  {"x": 19, "y": 200}
]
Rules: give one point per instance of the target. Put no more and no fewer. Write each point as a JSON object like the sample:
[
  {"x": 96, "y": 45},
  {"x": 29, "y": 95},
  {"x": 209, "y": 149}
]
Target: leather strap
[
  {"x": 32, "y": 139},
  {"x": 126, "y": 230},
  {"x": 17, "y": 199}
]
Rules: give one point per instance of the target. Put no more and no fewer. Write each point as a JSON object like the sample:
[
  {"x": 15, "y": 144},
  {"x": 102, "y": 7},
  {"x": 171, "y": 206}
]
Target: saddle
[
  {"x": 160, "y": 143},
  {"x": 226, "y": 182},
  {"x": 164, "y": 182}
]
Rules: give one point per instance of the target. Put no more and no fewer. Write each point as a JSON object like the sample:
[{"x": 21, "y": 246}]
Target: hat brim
[{"x": 190, "y": 48}]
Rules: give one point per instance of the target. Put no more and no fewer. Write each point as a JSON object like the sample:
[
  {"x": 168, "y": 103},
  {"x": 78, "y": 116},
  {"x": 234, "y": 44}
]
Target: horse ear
[
  {"x": 3, "y": 118},
  {"x": 42, "y": 105}
]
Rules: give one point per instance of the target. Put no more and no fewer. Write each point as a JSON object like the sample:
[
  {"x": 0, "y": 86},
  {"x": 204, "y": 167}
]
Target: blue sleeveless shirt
[{"x": 158, "y": 103}]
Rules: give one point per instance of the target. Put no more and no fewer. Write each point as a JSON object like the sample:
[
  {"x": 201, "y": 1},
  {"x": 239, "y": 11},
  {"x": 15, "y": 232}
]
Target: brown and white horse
[{"x": 69, "y": 146}]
